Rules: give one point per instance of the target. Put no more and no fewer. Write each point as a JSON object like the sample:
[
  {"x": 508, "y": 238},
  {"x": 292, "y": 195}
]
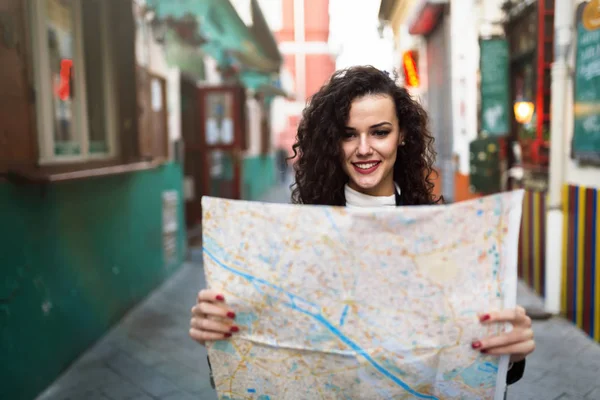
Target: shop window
[{"x": 73, "y": 81}]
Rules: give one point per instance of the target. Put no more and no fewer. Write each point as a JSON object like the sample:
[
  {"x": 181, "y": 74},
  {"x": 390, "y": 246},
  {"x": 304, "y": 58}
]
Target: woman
[{"x": 363, "y": 142}]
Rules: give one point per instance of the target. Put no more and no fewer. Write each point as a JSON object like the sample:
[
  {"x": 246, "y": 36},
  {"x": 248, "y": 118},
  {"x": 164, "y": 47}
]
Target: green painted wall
[
  {"x": 259, "y": 175},
  {"x": 73, "y": 260}
]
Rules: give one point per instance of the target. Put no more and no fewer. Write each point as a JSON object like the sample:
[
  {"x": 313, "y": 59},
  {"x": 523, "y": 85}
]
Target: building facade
[
  {"x": 81, "y": 174},
  {"x": 308, "y": 63},
  {"x": 519, "y": 119},
  {"x": 229, "y": 80},
  {"x": 572, "y": 275},
  {"x": 96, "y": 99}
]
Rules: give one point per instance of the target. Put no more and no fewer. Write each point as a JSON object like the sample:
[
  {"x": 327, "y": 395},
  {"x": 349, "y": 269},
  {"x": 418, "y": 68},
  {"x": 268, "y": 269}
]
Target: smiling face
[{"x": 370, "y": 145}]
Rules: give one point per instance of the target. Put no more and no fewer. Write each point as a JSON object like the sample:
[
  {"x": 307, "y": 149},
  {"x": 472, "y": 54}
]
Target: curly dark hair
[{"x": 320, "y": 178}]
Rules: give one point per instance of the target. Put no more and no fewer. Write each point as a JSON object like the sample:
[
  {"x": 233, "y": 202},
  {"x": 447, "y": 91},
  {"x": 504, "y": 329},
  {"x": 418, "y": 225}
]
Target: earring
[{"x": 403, "y": 143}]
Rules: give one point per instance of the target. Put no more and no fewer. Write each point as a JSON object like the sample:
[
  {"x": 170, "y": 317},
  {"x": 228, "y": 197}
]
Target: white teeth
[{"x": 366, "y": 166}]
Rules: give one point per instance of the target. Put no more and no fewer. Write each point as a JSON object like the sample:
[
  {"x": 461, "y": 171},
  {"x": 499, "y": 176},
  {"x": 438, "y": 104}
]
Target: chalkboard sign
[
  {"x": 484, "y": 155},
  {"x": 586, "y": 134},
  {"x": 494, "y": 86}
]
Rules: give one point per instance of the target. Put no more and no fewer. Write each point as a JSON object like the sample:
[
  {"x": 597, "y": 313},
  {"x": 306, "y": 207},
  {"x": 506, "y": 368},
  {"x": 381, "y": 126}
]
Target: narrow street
[{"x": 149, "y": 355}]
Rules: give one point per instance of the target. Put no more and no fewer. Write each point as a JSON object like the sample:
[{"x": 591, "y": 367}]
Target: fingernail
[
  {"x": 484, "y": 318},
  {"x": 220, "y": 297},
  {"x": 234, "y": 329},
  {"x": 228, "y": 335},
  {"x": 484, "y": 351},
  {"x": 231, "y": 315},
  {"x": 476, "y": 345}
]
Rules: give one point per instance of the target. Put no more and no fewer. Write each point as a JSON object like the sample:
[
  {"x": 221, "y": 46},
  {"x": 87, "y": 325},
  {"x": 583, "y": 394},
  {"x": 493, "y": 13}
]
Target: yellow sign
[
  {"x": 591, "y": 15},
  {"x": 411, "y": 73}
]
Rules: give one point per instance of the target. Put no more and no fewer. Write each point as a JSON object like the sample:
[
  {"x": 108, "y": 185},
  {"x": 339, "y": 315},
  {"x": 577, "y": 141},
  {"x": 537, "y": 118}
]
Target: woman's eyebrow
[{"x": 379, "y": 125}]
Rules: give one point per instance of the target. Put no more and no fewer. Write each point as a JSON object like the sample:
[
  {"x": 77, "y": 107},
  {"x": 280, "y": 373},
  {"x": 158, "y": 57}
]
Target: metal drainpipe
[{"x": 561, "y": 77}]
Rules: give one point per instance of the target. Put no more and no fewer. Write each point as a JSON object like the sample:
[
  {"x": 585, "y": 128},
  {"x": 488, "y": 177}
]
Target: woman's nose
[{"x": 364, "y": 146}]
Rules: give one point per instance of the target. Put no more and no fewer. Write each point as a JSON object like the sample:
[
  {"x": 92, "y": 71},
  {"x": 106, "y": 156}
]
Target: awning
[
  {"x": 267, "y": 84},
  {"x": 186, "y": 57},
  {"x": 272, "y": 90},
  {"x": 216, "y": 27},
  {"x": 424, "y": 16}
]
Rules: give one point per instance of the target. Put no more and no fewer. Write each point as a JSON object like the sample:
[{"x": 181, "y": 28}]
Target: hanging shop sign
[
  {"x": 485, "y": 165},
  {"x": 411, "y": 71},
  {"x": 494, "y": 86},
  {"x": 586, "y": 134}
]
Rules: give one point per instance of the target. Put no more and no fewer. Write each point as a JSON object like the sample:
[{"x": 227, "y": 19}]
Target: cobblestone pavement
[
  {"x": 149, "y": 355},
  {"x": 565, "y": 364}
]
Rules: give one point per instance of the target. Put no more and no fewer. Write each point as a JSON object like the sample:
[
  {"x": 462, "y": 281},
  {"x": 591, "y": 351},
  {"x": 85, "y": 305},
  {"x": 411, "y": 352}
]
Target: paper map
[{"x": 337, "y": 303}]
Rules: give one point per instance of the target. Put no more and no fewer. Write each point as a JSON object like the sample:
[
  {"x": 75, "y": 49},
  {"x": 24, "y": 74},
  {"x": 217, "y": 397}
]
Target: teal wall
[
  {"x": 74, "y": 258},
  {"x": 259, "y": 175}
]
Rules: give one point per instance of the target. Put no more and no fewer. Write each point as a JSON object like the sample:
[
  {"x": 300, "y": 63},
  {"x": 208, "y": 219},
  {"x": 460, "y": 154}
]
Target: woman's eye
[
  {"x": 381, "y": 133},
  {"x": 348, "y": 135}
]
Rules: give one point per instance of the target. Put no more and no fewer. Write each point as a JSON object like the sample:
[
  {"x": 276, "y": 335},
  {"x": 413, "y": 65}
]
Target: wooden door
[
  {"x": 222, "y": 139},
  {"x": 153, "y": 135},
  {"x": 214, "y": 134}
]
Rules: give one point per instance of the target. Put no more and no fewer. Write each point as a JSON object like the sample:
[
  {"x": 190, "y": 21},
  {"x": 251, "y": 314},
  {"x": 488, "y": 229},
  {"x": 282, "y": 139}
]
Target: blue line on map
[
  {"x": 488, "y": 366},
  {"x": 344, "y": 313},
  {"x": 255, "y": 280},
  {"x": 327, "y": 324},
  {"x": 335, "y": 227},
  {"x": 341, "y": 237}
]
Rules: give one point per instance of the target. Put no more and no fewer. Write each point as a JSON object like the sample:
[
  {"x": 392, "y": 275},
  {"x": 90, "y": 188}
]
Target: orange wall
[
  {"x": 461, "y": 188},
  {"x": 289, "y": 61},
  {"x": 316, "y": 15},
  {"x": 286, "y": 34},
  {"x": 437, "y": 180},
  {"x": 316, "y": 21}
]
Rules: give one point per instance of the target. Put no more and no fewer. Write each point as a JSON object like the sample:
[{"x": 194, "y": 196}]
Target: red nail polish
[
  {"x": 476, "y": 345},
  {"x": 228, "y": 335},
  {"x": 484, "y": 318},
  {"x": 234, "y": 329},
  {"x": 220, "y": 297},
  {"x": 231, "y": 315},
  {"x": 484, "y": 351}
]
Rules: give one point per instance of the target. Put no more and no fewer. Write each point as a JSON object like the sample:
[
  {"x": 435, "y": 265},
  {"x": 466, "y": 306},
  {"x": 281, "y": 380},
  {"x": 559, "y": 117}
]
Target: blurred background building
[
  {"x": 513, "y": 93},
  {"x": 117, "y": 116}
]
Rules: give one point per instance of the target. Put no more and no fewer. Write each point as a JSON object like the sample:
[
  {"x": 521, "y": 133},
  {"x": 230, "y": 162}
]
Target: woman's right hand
[{"x": 211, "y": 318}]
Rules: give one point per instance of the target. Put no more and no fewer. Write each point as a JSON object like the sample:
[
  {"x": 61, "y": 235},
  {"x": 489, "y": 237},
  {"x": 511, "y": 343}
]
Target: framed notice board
[
  {"x": 586, "y": 133},
  {"x": 494, "y": 66}
]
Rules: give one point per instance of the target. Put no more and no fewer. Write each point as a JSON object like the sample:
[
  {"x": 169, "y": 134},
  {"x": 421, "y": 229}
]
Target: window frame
[{"x": 43, "y": 88}]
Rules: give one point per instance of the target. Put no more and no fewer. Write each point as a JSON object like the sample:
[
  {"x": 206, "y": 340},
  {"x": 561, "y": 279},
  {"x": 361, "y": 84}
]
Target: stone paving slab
[
  {"x": 565, "y": 365},
  {"x": 148, "y": 355}
]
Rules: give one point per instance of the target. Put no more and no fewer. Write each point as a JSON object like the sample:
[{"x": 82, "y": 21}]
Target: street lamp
[{"x": 523, "y": 111}]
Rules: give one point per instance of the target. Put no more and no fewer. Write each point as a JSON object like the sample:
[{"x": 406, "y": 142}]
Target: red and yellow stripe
[
  {"x": 532, "y": 242},
  {"x": 581, "y": 258}
]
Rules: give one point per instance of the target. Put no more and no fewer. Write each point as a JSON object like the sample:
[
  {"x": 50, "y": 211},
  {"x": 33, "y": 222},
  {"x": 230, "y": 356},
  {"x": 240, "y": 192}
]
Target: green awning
[
  {"x": 272, "y": 90},
  {"x": 221, "y": 31},
  {"x": 188, "y": 58},
  {"x": 267, "y": 84}
]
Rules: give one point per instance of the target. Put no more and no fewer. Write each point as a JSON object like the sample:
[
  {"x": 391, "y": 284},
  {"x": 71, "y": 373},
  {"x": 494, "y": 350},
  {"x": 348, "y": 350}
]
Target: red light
[
  {"x": 64, "y": 87},
  {"x": 410, "y": 69}
]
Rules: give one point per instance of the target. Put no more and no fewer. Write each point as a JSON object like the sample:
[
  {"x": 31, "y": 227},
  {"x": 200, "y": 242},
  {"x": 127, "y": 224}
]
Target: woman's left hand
[{"x": 518, "y": 343}]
